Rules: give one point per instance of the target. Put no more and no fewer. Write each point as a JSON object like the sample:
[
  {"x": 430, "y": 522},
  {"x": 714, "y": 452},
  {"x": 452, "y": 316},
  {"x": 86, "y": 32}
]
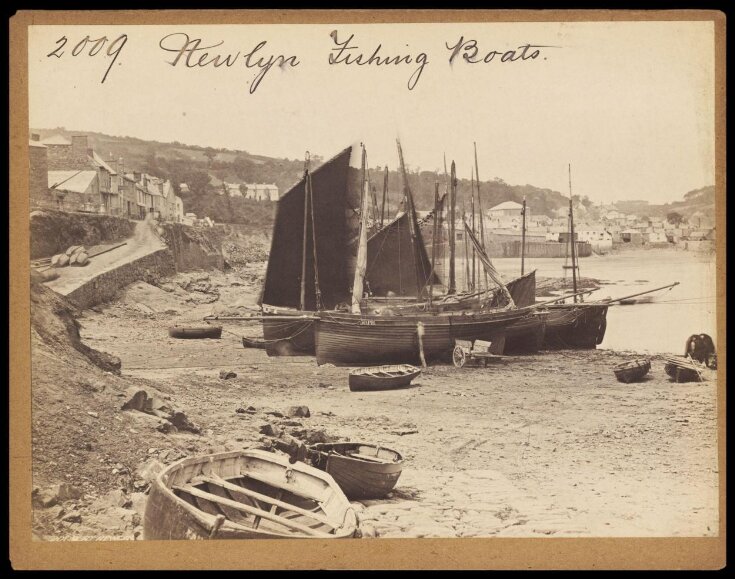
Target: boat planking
[
  {"x": 362, "y": 471},
  {"x": 374, "y": 378},
  {"x": 246, "y": 495}
]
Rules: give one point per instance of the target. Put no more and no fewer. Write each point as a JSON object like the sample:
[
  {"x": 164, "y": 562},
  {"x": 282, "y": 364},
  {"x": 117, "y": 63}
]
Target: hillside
[{"x": 205, "y": 168}]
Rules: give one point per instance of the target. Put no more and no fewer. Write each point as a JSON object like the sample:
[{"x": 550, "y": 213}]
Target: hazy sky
[{"x": 630, "y": 105}]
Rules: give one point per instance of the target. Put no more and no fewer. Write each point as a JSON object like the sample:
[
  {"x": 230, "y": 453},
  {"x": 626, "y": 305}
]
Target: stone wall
[
  {"x": 54, "y": 231},
  {"x": 106, "y": 286},
  {"x": 193, "y": 247},
  {"x": 38, "y": 176}
]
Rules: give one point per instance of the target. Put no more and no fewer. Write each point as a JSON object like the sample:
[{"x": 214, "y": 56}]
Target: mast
[
  {"x": 452, "y": 201},
  {"x": 305, "y": 237},
  {"x": 472, "y": 208},
  {"x": 385, "y": 194},
  {"x": 359, "y": 280},
  {"x": 572, "y": 240},
  {"x": 523, "y": 235},
  {"x": 433, "y": 239},
  {"x": 479, "y": 208},
  {"x": 412, "y": 223}
]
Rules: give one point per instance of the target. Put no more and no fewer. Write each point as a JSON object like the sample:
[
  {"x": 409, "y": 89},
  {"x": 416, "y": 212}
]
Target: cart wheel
[{"x": 458, "y": 356}]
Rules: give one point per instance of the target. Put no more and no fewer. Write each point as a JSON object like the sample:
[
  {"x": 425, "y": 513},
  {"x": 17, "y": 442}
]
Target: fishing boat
[
  {"x": 246, "y": 495},
  {"x": 382, "y": 377},
  {"x": 632, "y": 370},
  {"x": 362, "y": 471},
  {"x": 195, "y": 332}
]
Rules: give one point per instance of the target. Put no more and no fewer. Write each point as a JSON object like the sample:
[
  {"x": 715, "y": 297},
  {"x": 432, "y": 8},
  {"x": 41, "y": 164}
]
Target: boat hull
[
  {"x": 184, "y": 333},
  {"x": 171, "y": 514},
  {"x": 367, "y": 383},
  {"x": 288, "y": 338},
  {"x": 575, "y": 326},
  {"x": 526, "y": 335},
  {"x": 351, "y": 339},
  {"x": 359, "y": 479},
  {"x": 632, "y": 371}
]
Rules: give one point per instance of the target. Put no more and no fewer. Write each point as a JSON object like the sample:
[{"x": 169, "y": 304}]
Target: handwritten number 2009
[{"x": 95, "y": 46}]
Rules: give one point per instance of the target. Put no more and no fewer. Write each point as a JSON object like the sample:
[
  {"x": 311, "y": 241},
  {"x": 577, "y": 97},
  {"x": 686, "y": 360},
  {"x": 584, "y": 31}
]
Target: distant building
[
  {"x": 232, "y": 189},
  {"x": 506, "y": 209},
  {"x": 183, "y": 187},
  {"x": 76, "y": 190},
  {"x": 261, "y": 191}
]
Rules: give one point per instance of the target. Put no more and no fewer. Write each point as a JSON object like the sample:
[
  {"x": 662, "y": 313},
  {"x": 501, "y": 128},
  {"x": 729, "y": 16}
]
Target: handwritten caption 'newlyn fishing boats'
[{"x": 192, "y": 52}]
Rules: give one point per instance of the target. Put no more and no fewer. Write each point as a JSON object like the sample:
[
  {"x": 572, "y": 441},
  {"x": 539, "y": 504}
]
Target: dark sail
[
  {"x": 394, "y": 265},
  {"x": 332, "y": 206}
]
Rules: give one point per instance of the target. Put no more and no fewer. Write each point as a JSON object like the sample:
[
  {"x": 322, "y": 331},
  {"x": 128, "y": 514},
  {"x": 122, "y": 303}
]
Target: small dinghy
[
  {"x": 684, "y": 369},
  {"x": 382, "y": 377},
  {"x": 195, "y": 332},
  {"x": 246, "y": 495},
  {"x": 253, "y": 343},
  {"x": 362, "y": 471},
  {"x": 632, "y": 370}
]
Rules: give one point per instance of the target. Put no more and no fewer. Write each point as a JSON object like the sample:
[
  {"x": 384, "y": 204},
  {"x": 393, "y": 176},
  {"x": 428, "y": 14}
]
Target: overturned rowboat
[
  {"x": 246, "y": 495},
  {"x": 362, "y": 471},
  {"x": 382, "y": 377},
  {"x": 195, "y": 332},
  {"x": 248, "y": 342},
  {"x": 632, "y": 370},
  {"x": 684, "y": 369}
]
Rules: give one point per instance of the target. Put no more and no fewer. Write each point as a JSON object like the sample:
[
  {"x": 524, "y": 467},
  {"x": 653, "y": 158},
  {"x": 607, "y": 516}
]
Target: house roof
[
  {"x": 97, "y": 160},
  {"x": 76, "y": 181},
  {"x": 56, "y": 140},
  {"x": 506, "y": 205},
  {"x": 32, "y": 143}
]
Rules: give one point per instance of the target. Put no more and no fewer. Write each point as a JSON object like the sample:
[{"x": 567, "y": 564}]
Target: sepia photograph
[{"x": 309, "y": 277}]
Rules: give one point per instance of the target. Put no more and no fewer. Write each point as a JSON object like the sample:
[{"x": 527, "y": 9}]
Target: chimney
[
  {"x": 120, "y": 166},
  {"x": 137, "y": 176},
  {"x": 79, "y": 146},
  {"x": 35, "y": 137}
]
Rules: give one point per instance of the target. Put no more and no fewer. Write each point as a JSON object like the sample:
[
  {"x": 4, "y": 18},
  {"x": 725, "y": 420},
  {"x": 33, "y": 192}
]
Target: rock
[
  {"x": 136, "y": 399},
  {"x": 274, "y": 413},
  {"x": 72, "y": 517},
  {"x": 120, "y": 498},
  {"x": 167, "y": 428},
  {"x": 43, "y": 498},
  {"x": 149, "y": 470},
  {"x": 240, "y": 410},
  {"x": 182, "y": 422},
  {"x": 93, "y": 414},
  {"x": 312, "y": 436},
  {"x": 66, "y": 492},
  {"x": 227, "y": 374},
  {"x": 156, "y": 405},
  {"x": 291, "y": 423},
  {"x": 269, "y": 430},
  {"x": 298, "y": 412}
]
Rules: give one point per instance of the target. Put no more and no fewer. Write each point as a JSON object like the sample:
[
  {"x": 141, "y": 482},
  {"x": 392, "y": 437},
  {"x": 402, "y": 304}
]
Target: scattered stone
[
  {"x": 93, "y": 414},
  {"x": 299, "y": 412},
  {"x": 136, "y": 399},
  {"x": 227, "y": 374},
  {"x": 240, "y": 410},
  {"x": 149, "y": 470},
  {"x": 72, "y": 517},
  {"x": 404, "y": 432},
  {"x": 312, "y": 436},
  {"x": 44, "y": 498},
  {"x": 291, "y": 423},
  {"x": 166, "y": 428},
  {"x": 270, "y": 430},
  {"x": 274, "y": 413},
  {"x": 180, "y": 421}
]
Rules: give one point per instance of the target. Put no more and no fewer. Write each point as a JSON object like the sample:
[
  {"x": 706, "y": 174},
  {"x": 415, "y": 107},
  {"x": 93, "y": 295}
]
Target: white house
[{"x": 261, "y": 191}]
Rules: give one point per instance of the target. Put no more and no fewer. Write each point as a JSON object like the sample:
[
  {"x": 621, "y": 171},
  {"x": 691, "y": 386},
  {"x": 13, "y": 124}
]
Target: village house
[
  {"x": 232, "y": 189},
  {"x": 75, "y": 190},
  {"x": 599, "y": 239},
  {"x": 631, "y": 237},
  {"x": 261, "y": 191},
  {"x": 183, "y": 187}
]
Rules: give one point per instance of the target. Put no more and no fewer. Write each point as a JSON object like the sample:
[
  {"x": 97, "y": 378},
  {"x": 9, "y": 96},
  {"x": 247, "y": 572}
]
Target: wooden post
[
  {"x": 573, "y": 241},
  {"x": 305, "y": 237},
  {"x": 420, "y": 333},
  {"x": 385, "y": 195},
  {"x": 523, "y": 236},
  {"x": 472, "y": 208},
  {"x": 452, "y": 203},
  {"x": 433, "y": 240},
  {"x": 479, "y": 208}
]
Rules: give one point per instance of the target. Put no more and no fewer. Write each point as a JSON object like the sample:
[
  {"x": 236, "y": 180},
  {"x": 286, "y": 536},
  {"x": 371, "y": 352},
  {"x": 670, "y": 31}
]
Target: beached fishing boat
[
  {"x": 362, "y": 471},
  {"x": 246, "y": 495},
  {"x": 195, "y": 332},
  {"x": 382, "y": 377},
  {"x": 632, "y": 370},
  {"x": 575, "y": 326}
]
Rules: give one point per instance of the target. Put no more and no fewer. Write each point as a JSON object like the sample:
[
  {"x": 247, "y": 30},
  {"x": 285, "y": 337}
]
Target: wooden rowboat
[
  {"x": 362, "y": 471},
  {"x": 683, "y": 369},
  {"x": 382, "y": 377},
  {"x": 253, "y": 343},
  {"x": 246, "y": 495},
  {"x": 195, "y": 332},
  {"x": 632, "y": 370}
]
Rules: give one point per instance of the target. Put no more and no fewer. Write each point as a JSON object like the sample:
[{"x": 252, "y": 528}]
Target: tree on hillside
[{"x": 675, "y": 218}]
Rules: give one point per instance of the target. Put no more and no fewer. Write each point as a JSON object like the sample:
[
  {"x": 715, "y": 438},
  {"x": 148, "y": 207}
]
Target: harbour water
[{"x": 662, "y": 326}]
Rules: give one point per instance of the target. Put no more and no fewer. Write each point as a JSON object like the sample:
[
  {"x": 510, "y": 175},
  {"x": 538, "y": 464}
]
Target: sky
[{"x": 630, "y": 105}]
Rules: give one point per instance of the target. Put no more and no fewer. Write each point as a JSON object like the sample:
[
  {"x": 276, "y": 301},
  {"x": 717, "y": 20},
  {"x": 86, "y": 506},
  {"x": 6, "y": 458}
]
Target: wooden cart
[{"x": 477, "y": 352}]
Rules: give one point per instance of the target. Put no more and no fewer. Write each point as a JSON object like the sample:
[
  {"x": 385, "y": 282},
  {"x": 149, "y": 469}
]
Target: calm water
[{"x": 659, "y": 327}]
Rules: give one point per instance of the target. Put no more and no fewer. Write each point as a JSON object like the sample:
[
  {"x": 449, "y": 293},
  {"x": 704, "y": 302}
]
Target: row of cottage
[
  {"x": 503, "y": 224},
  {"x": 71, "y": 176}
]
